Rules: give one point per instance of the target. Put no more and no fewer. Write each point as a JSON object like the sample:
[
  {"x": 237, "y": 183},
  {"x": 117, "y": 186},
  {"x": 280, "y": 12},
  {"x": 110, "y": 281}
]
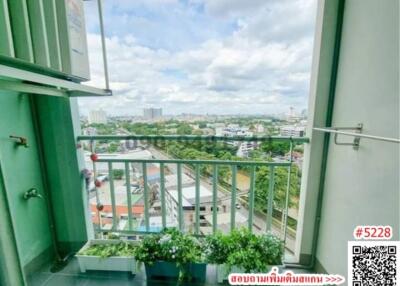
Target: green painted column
[{"x": 63, "y": 171}]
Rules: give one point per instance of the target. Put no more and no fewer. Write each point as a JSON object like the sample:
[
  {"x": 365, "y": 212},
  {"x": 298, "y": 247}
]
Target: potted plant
[
  {"x": 172, "y": 254},
  {"x": 243, "y": 252},
  {"x": 107, "y": 255}
]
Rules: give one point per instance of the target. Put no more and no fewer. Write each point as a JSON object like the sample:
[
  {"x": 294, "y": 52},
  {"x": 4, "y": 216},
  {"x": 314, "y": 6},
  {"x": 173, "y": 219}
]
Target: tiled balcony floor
[{"x": 71, "y": 275}]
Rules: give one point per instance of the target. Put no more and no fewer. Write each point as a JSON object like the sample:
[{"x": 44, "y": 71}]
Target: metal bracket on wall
[
  {"x": 337, "y": 130},
  {"x": 356, "y": 140},
  {"x": 356, "y": 134}
]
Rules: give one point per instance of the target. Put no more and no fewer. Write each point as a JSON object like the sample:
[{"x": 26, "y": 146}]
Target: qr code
[{"x": 373, "y": 263}]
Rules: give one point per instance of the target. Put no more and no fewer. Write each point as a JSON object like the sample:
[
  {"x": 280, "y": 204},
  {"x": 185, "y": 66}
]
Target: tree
[
  {"x": 276, "y": 148},
  {"x": 184, "y": 129},
  {"x": 118, "y": 174},
  {"x": 280, "y": 187},
  {"x": 197, "y": 132},
  {"x": 112, "y": 148}
]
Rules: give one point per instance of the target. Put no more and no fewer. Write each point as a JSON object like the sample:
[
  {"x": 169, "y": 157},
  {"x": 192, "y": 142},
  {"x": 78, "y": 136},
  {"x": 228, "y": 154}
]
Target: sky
[{"x": 202, "y": 56}]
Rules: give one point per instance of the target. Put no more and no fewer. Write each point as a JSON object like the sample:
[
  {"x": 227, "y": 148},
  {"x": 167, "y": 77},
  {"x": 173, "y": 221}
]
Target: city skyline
[
  {"x": 140, "y": 114},
  {"x": 201, "y": 56}
]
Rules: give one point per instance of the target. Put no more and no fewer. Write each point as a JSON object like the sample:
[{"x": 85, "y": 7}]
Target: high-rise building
[
  {"x": 292, "y": 116},
  {"x": 97, "y": 116},
  {"x": 152, "y": 113}
]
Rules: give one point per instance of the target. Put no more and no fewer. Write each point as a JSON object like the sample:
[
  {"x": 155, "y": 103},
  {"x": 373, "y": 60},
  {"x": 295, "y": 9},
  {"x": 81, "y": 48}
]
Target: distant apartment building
[
  {"x": 152, "y": 113},
  {"x": 245, "y": 148},
  {"x": 292, "y": 116},
  {"x": 97, "y": 116},
  {"x": 233, "y": 130},
  {"x": 189, "y": 205},
  {"x": 295, "y": 131}
]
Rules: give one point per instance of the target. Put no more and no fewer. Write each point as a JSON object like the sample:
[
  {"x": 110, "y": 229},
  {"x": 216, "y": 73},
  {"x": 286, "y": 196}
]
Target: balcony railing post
[
  {"x": 197, "y": 211},
  {"x": 112, "y": 195},
  {"x": 128, "y": 194},
  {"x": 146, "y": 196},
  {"x": 251, "y": 196},
  {"x": 215, "y": 197},
  {"x": 162, "y": 194},
  {"x": 179, "y": 185},
  {"x": 233, "y": 197},
  {"x": 287, "y": 198},
  {"x": 270, "y": 198}
]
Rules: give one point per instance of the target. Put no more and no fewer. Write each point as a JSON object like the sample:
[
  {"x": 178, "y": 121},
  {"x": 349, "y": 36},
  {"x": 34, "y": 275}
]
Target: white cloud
[
  {"x": 225, "y": 8},
  {"x": 261, "y": 66}
]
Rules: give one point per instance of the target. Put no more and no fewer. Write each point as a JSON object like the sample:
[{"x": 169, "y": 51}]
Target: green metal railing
[
  {"x": 189, "y": 138},
  {"x": 195, "y": 166}
]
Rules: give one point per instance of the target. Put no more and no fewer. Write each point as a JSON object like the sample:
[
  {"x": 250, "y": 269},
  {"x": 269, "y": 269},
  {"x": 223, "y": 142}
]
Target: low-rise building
[
  {"x": 189, "y": 205},
  {"x": 102, "y": 167},
  {"x": 121, "y": 205},
  {"x": 290, "y": 130},
  {"x": 233, "y": 131},
  {"x": 171, "y": 181}
]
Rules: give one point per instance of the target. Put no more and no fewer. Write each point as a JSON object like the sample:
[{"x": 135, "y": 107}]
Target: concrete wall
[
  {"x": 362, "y": 187},
  {"x": 324, "y": 48},
  {"x": 21, "y": 171},
  {"x": 50, "y": 165},
  {"x": 58, "y": 132}
]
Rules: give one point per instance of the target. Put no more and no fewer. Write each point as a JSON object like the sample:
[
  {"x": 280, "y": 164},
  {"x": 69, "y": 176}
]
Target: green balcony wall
[
  {"x": 63, "y": 173},
  {"x": 21, "y": 171},
  {"x": 50, "y": 164}
]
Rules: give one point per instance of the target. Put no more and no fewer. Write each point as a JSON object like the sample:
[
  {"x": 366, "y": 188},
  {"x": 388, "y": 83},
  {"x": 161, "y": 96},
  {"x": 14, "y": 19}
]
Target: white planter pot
[
  {"x": 223, "y": 273},
  {"x": 112, "y": 263}
]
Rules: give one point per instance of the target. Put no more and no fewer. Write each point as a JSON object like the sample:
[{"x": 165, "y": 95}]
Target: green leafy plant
[
  {"x": 217, "y": 248},
  {"x": 245, "y": 250},
  {"x": 170, "y": 245},
  {"x": 107, "y": 250},
  {"x": 118, "y": 174}
]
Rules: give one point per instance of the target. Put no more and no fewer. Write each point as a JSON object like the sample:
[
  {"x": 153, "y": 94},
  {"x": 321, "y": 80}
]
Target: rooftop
[
  {"x": 103, "y": 167},
  {"x": 171, "y": 181},
  {"x": 119, "y": 193},
  {"x": 189, "y": 195}
]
